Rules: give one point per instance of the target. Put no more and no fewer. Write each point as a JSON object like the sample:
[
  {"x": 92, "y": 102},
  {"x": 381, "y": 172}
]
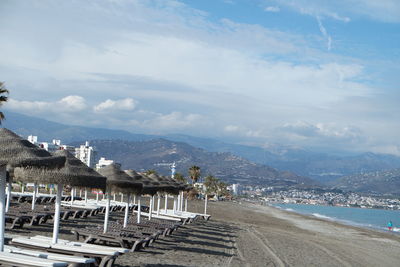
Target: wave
[
  {"x": 289, "y": 209},
  {"x": 322, "y": 216}
]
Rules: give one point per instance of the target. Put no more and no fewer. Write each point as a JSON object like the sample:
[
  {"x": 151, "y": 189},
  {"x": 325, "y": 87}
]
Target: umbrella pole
[
  {"x": 56, "y": 225},
  {"x": 107, "y": 213},
  {"x": 139, "y": 209},
  {"x": 72, "y": 195},
  {"x": 3, "y": 176},
  {"x": 134, "y": 199},
  {"x": 205, "y": 205},
  {"x": 34, "y": 196},
  {"x": 114, "y": 197},
  {"x": 97, "y": 197},
  {"x": 80, "y": 192},
  {"x": 23, "y": 188},
  {"x": 150, "y": 207},
  {"x": 158, "y": 204},
  {"x": 85, "y": 196},
  {"x": 186, "y": 203},
  {"x": 8, "y": 195},
  {"x": 127, "y": 210},
  {"x": 166, "y": 202},
  {"x": 122, "y": 197},
  {"x": 178, "y": 201}
]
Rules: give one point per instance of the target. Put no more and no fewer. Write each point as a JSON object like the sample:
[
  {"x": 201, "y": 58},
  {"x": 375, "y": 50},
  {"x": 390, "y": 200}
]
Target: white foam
[{"x": 322, "y": 216}]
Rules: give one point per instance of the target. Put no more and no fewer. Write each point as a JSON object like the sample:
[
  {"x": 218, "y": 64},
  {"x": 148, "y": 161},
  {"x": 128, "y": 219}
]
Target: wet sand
[{"x": 252, "y": 235}]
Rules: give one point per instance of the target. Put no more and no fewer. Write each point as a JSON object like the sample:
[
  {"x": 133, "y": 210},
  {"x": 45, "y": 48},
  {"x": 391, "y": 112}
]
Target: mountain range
[
  {"x": 372, "y": 183},
  {"x": 323, "y": 168}
]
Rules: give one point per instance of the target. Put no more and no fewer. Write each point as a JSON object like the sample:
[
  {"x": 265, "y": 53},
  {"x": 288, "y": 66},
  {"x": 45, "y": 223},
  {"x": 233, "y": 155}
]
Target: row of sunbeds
[{"x": 86, "y": 251}]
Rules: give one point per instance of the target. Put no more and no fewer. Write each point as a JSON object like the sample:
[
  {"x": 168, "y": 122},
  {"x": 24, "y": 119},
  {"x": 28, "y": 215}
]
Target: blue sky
[{"x": 315, "y": 74}]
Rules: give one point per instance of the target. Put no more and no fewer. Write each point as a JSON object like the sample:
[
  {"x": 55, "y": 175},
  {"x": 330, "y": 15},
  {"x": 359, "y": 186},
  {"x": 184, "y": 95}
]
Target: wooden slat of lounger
[
  {"x": 92, "y": 246},
  {"x": 49, "y": 256},
  {"x": 22, "y": 260}
]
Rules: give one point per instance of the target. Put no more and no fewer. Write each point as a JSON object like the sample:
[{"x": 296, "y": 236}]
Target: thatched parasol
[
  {"x": 165, "y": 185},
  {"x": 18, "y": 152},
  {"x": 150, "y": 186},
  {"x": 119, "y": 181},
  {"x": 74, "y": 173}
]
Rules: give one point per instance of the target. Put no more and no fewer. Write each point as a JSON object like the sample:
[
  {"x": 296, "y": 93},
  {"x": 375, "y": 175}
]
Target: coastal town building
[
  {"x": 87, "y": 154},
  {"x": 103, "y": 162}
]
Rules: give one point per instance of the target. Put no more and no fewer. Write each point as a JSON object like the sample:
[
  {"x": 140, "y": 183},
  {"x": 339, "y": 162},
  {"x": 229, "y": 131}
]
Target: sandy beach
[{"x": 253, "y": 235}]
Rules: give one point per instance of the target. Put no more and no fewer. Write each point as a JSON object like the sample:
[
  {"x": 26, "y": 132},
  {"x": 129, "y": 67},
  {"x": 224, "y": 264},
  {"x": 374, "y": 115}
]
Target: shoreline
[{"x": 327, "y": 218}]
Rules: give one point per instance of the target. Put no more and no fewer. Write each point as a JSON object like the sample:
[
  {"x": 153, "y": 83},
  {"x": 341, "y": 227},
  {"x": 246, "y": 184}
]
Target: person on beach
[{"x": 390, "y": 225}]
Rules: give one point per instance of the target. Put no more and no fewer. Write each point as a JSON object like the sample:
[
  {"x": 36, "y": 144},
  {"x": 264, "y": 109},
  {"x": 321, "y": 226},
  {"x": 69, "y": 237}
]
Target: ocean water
[{"x": 369, "y": 218}]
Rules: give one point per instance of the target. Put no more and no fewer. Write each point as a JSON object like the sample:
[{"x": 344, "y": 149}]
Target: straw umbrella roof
[
  {"x": 168, "y": 185},
  {"x": 74, "y": 173},
  {"x": 149, "y": 186},
  {"x": 119, "y": 181},
  {"x": 18, "y": 152}
]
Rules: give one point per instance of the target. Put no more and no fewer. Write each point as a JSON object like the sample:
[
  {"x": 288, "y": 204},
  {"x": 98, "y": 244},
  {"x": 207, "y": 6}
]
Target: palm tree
[
  {"x": 152, "y": 171},
  {"x": 194, "y": 173},
  {"x": 3, "y": 98},
  {"x": 180, "y": 178}
]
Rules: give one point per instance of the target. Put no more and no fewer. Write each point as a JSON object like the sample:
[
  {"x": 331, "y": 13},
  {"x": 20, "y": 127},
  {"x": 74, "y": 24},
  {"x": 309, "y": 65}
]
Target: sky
[{"x": 317, "y": 74}]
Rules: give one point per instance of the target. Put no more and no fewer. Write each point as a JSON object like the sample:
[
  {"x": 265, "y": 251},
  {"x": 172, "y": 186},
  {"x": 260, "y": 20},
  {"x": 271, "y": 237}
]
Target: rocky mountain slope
[
  {"x": 380, "y": 182},
  {"x": 158, "y": 154}
]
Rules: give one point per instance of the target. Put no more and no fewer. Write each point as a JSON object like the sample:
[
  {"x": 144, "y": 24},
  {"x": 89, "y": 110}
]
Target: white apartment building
[
  {"x": 237, "y": 189},
  {"x": 87, "y": 154},
  {"x": 103, "y": 162}
]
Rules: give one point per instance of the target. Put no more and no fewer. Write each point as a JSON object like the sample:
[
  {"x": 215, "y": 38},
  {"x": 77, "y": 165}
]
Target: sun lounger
[
  {"x": 13, "y": 260},
  {"x": 103, "y": 257},
  {"x": 97, "y": 247},
  {"x": 71, "y": 260},
  {"x": 123, "y": 239}
]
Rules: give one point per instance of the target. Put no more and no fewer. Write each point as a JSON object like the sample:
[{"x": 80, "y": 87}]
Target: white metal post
[
  {"x": 166, "y": 202},
  {"x": 8, "y": 195},
  {"x": 186, "y": 203},
  {"x": 97, "y": 197},
  {"x": 205, "y": 205},
  {"x": 56, "y": 219},
  {"x": 34, "y": 196},
  {"x": 122, "y": 198},
  {"x": 3, "y": 177},
  {"x": 150, "y": 207},
  {"x": 114, "y": 197},
  {"x": 139, "y": 212},
  {"x": 127, "y": 210},
  {"x": 85, "y": 196},
  {"x": 72, "y": 195},
  {"x": 158, "y": 204},
  {"x": 134, "y": 199},
  {"x": 107, "y": 213},
  {"x": 178, "y": 201},
  {"x": 181, "y": 207}
]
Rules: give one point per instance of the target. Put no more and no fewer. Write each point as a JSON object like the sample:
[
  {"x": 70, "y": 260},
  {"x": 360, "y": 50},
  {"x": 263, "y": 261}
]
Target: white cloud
[
  {"x": 173, "y": 121},
  {"x": 186, "y": 70},
  {"x": 272, "y": 9},
  {"x": 68, "y": 104},
  {"x": 325, "y": 33},
  {"x": 382, "y": 10},
  {"x": 127, "y": 104}
]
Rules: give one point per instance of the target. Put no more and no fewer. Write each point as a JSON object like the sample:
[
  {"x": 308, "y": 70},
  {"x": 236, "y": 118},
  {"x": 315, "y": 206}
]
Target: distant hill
[
  {"x": 47, "y": 130},
  {"x": 322, "y": 167},
  {"x": 379, "y": 183},
  {"x": 158, "y": 154}
]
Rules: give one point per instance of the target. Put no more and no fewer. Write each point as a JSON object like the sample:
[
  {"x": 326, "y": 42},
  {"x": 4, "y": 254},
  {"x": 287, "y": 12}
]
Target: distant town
[{"x": 315, "y": 197}]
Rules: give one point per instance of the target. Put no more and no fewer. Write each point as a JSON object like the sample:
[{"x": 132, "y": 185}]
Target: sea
[{"x": 361, "y": 217}]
